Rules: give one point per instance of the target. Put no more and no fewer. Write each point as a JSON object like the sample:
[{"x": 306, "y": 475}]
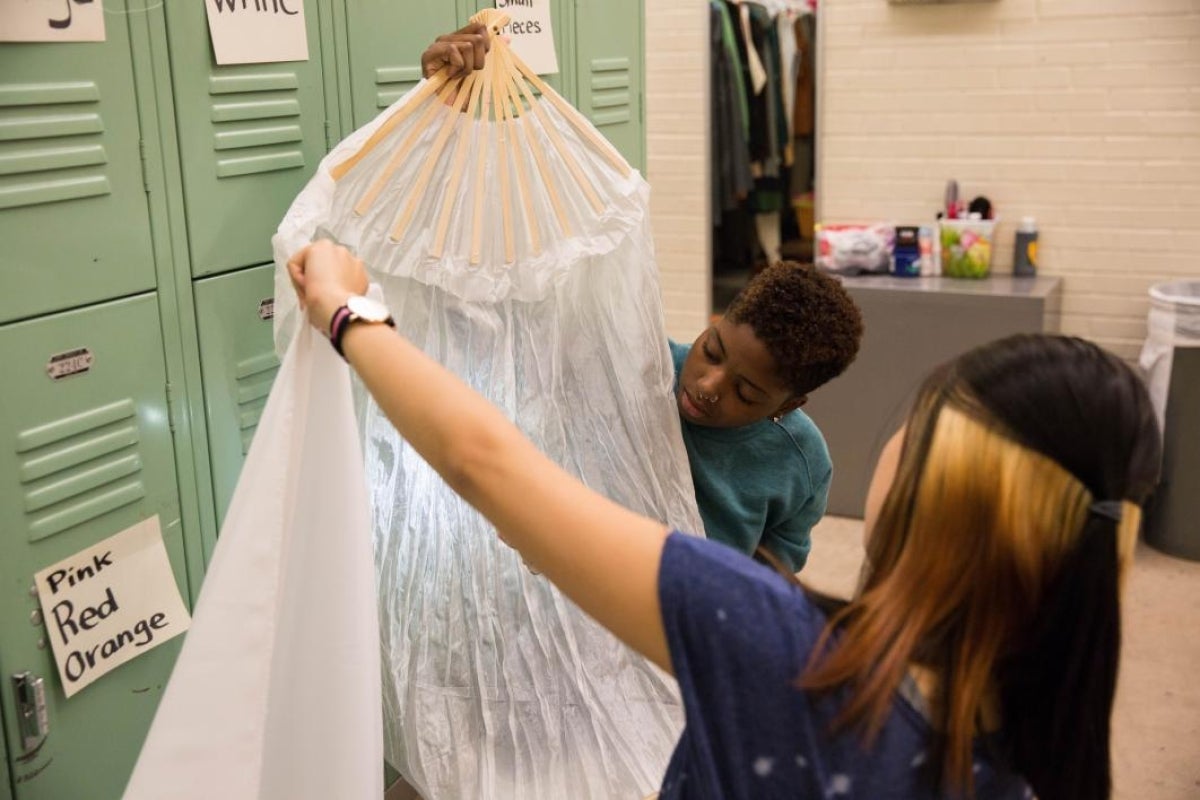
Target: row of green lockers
[{"x": 139, "y": 187}]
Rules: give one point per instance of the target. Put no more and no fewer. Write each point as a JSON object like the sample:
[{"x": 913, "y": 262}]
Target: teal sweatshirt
[{"x": 766, "y": 483}]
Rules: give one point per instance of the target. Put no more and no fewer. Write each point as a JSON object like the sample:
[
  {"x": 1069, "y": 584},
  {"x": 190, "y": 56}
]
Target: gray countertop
[{"x": 995, "y": 286}]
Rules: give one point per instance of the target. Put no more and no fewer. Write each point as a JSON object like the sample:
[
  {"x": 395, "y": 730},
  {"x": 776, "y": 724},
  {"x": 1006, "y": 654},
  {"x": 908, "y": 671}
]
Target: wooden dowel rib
[
  {"x": 519, "y": 140},
  {"x": 575, "y": 118},
  {"x": 372, "y": 194},
  {"x": 428, "y": 90},
  {"x": 556, "y": 141},
  {"x": 453, "y": 117},
  {"x": 456, "y": 172}
]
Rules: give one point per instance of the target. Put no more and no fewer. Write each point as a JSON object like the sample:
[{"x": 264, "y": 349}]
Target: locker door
[
  {"x": 386, "y": 42},
  {"x": 237, "y": 359},
  {"x": 250, "y": 136},
  {"x": 5, "y": 781},
  {"x": 73, "y": 214},
  {"x": 608, "y": 55},
  {"x": 84, "y": 457}
]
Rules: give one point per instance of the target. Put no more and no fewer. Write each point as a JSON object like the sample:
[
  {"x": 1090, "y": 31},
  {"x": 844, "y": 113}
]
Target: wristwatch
[{"x": 357, "y": 309}]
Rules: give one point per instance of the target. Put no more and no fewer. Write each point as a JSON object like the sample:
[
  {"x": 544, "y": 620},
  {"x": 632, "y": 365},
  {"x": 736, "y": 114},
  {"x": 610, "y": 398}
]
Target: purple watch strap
[{"x": 337, "y": 327}]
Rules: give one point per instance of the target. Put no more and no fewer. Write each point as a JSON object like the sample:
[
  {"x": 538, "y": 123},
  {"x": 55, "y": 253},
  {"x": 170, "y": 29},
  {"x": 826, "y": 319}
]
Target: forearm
[{"x": 604, "y": 557}]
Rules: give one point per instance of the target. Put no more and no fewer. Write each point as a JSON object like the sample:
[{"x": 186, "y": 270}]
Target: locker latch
[{"x": 32, "y": 717}]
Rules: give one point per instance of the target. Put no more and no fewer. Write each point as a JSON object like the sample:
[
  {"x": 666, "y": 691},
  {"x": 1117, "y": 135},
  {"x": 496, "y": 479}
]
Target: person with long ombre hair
[{"x": 978, "y": 658}]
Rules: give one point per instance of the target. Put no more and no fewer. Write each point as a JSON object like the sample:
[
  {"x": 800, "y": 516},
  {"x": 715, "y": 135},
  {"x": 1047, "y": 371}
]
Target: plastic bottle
[
  {"x": 925, "y": 245},
  {"x": 1025, "y": 248}
]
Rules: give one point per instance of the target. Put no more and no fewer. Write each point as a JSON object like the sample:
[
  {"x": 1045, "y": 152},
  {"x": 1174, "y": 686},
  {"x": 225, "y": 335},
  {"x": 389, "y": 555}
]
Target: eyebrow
[{"x": 745, "y": 380}]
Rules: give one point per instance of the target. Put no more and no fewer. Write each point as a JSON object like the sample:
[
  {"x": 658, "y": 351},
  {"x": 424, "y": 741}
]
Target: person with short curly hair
[{"x": 759, "y": 464}]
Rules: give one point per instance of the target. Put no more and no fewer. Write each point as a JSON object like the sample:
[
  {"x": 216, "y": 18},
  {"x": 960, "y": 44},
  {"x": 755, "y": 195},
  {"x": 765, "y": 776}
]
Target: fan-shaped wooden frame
[{"x": 504, "y": 91}]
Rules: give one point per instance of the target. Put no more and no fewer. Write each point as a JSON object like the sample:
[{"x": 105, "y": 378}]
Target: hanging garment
[
  {"x": 276, "y": 693},
  {"x": 512, "y": 244},
  {"x": 731, "y": 161}
]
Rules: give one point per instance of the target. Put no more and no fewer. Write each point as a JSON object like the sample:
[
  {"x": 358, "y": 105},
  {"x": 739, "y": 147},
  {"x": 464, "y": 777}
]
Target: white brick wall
[
  {"x": 1083, "y": 113},
  {"x": 677, "y": 157}
]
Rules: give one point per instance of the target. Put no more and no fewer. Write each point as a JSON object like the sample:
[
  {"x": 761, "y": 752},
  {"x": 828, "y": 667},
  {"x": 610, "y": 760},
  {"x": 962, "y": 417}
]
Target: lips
[{"x": 690, "y": 407}]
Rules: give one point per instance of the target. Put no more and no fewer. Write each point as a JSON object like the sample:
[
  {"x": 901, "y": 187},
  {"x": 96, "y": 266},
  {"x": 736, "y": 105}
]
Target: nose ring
[{"x": 707, "y": 398}]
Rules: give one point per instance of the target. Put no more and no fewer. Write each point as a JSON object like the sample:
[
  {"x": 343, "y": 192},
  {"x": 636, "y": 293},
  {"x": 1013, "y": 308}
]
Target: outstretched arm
[{"x": 602, "y": 556}]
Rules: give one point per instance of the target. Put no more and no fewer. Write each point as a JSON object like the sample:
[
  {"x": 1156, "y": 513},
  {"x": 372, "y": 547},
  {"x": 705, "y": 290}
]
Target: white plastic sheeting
[
  {"x": 1174, "y": 321},
  {"x": 495, "y": 685},
  {"x": 276, "y": 693}
]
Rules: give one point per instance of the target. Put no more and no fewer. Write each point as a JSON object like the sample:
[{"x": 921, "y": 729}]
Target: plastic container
[
  {"x": 1025, "y": 248},
  {"x": 906, "y": 252},
  {"x": 928, "y": 249},
  {"x": 967, "y": 247},
  {"x": 1171, "y": 361}
]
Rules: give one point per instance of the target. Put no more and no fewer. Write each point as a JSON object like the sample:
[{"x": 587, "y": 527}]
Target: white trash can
[{"x": 1171, "y": 362}]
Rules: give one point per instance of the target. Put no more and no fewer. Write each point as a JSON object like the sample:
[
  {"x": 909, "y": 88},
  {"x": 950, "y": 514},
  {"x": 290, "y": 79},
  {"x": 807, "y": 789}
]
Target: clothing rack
[{"x": 763, "y": 97}]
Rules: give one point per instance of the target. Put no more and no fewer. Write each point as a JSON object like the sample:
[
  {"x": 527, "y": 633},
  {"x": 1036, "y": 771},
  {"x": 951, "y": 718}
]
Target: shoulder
[
  {"x": 716, "y": 600},
  {"x": 679, "y": 351},
  {"x": 805, "y": 437}
]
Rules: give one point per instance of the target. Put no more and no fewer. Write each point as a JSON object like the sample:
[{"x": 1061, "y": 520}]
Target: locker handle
[{"x": 33, "y": 720}]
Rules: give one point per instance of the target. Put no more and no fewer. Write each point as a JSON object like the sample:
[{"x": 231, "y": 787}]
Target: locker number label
[
  {"x": 72, "y": 362},
  {"x": 266, "y": 309}
]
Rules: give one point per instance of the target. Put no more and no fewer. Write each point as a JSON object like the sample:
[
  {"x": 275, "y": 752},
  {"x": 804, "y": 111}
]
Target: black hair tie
[{"x": 1109, "y": 509}]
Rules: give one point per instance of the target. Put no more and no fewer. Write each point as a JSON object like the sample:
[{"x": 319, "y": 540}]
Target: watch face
[{"x": 366, "y": 309}]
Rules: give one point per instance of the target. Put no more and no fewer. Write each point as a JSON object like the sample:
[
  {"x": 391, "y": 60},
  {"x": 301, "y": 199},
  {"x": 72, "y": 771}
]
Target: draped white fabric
[
  {"x": 495, "y": 685},
  {"x": 275, "y": 695}
]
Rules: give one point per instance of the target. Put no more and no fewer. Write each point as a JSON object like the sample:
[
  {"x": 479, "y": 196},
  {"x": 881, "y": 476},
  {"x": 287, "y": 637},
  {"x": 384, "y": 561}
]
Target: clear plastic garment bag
[{"x": 512, "y": 243}]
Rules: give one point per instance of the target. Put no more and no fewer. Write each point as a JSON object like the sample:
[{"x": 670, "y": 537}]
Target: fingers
[
  {"x": 461, "y": 51},
  {"x": 295, "y": 268}
]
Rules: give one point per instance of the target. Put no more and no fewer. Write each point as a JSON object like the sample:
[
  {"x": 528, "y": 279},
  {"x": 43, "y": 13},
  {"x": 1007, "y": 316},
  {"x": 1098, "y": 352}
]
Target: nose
[{"x": 711, "y": 382}]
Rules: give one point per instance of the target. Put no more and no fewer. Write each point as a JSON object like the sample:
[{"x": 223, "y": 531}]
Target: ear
[{"x": 791, "y": 405}]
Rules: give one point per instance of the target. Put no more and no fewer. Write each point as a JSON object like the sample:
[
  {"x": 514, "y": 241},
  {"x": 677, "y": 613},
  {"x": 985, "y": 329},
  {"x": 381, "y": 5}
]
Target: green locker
[
  {"x": 386, "y": 40},
  {"x": 608, "y": 58},
  {"x": 237, "y": 357},
  {"x": 88, "y": 453},
  {"x": 250, "y": 137},
  {"x": 73, "y": 208},
  {"x": 5, "y": 780}
]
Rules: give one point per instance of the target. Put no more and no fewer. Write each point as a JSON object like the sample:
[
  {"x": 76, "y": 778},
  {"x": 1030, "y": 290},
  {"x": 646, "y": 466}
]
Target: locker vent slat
[
  {"x": 256, "y": 122},
  {"x": 610, "y": 97},
  {"x": 77, "y": 468},
  {"x": 50, "y": 143},
  {"x": 394, "y": 82},
  {"x": 255, "y": 375}
]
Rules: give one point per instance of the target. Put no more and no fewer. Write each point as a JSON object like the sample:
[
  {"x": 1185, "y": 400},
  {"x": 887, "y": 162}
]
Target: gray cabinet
[{"x": 912, "y": 325}]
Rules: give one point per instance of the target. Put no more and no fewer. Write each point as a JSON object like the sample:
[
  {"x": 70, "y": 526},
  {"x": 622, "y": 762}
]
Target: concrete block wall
[
  {"x": 1082, "y": 113},
  {"x": 677, "y": 158}
]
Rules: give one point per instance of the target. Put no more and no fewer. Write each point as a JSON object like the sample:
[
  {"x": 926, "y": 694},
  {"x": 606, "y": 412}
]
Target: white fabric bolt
[{"x": 276, "y": 693}]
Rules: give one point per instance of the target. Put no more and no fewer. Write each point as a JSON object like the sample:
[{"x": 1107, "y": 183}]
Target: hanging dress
[{"x": 512, "y": 244}]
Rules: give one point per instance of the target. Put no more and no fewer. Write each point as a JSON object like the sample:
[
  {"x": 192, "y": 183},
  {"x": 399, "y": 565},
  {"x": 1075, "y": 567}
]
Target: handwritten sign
[
  {"x": 531, "y": 33},
  {"x": 51, "y": 21},
  {"x": 110, "y": 603},
  {"x": 257, "y": 31}
]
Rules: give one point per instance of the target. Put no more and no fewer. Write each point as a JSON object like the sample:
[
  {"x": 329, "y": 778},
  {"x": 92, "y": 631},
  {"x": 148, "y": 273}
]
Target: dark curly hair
[{"x": 806, "y": 319}]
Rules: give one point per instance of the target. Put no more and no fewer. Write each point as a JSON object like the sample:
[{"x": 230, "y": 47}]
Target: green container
[{"x": 967, "y": 247}]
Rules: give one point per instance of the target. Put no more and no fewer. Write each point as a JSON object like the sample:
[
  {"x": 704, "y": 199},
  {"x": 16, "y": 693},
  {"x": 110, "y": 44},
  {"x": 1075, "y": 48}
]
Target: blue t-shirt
[
  {"x": 739, "y": 636},
  {"x": 765, "y": 483}
]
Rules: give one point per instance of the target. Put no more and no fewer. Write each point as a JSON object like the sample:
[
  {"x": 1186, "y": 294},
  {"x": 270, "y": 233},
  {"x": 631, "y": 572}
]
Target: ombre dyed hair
[{"x": 991, "y": 565}]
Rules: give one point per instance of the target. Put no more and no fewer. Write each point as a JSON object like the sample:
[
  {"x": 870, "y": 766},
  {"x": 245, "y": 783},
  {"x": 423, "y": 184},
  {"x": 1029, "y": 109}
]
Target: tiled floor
[{"x": 1156, "y": 726}]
